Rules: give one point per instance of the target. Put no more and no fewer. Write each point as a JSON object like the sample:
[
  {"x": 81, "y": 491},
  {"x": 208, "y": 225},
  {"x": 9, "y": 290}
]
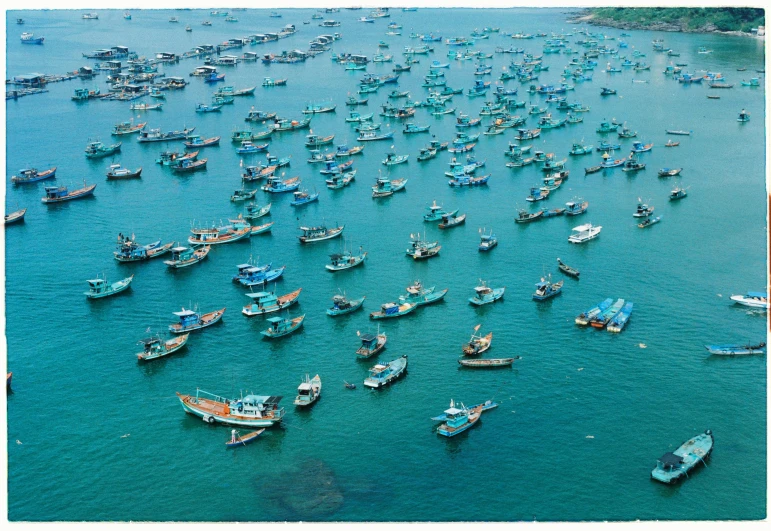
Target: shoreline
[{"x": 592, "y": 19}]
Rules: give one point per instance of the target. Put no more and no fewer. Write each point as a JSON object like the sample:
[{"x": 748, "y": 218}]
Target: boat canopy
[
  {"x": 453, "y": 411},
  {"x": 368, "y": 339},
  {"x": 184, "y": 313},
  {"x": 670, "y": 460},
  {"x": 259, "y": 295},
  {"x": 96, "y": 282},
  {"x": 149, "y": 341},
  {"x": 582, "y": 228}
]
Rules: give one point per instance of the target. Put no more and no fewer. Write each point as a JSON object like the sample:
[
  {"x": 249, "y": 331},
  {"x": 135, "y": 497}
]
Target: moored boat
[
  {"x": 59, "y": 194},
  {"x": 584, "y": 233},
  {"x": 647, "y": 222},
  {"x": 458, "y": 420},
  {"x": 237, "y": 439},
  {"x": 155, "y": 347},
  {"x": 673, "y": 466},
  {"x": 267, "y": 302},
  {"x": 308, "y": 392},
  {"x": 487, "y": 241},
  {"x": 190, "y": 320},
  {"x": 421, "y": 296},
  {"x": 545, "y": 289},
  {"x": 478, "y": 344},
  {"x": 319, "y": 233},
  {"x": 99, "y": 287},
  {"x": 186, "y": 256},
  {"x": 280, "y": 326},
  {"x": 342, "y": 305},
  {"x": 391, "y": 309},
  {"x": 584, "y": 318},
  {"x": 250, "y": 410},
  {"x": 15, "y": 217},
  {"x": 603, "y": 318},
  {"x": 97, "y": 150},
  {"x": 115, "y": 171},
  {"x": 485, "y": 294},
  {"x": 620, "y": 320},
  {"x": 31, "y": 175},
  {"x": 488, "y": 363},
  {"x": 567, "y": 269},
  {"x": 345, "y": 260},
  {"x": 383, "y": 374},
  {"x": 736, "y": 349}
]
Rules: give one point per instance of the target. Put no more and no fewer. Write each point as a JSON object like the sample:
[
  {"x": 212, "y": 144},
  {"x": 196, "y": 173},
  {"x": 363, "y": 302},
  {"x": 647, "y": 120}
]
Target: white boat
[
  {"x": 308, "y": 392},
  {"x": 584, "y": 233},
  {"x": 753, "y": 299}
]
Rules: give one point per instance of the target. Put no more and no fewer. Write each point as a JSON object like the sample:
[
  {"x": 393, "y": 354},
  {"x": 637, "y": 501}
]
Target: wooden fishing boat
[
  {"x": 736, "y": 349},
  {"x": 219, "y": 235},
  {"x": 451, "y": 220},
  {"x": 545, "y": 289},
  {"x": 129, "y": 251},
  {"x": 677, "y": 193},
  {"x": 488, "y": 363},
  {"x": 155, "y": 347},
  {"x": 31, "y": 175},
  {"x": 267, "y": 302},
  {"x": 314, "y": 141},
  {"x": 567, "y": 269},
  {"x": 254, "y": 211},
  {"x": 421, "y": 296},
  {"x": 242, "y": 440},
  {"x": 250, "y": 410},
  {"x": 468, "y": 180},
  {"x": 187, "y": 256},
  {"x": 384, "y": 374},
  {"x": 672, "y": 144},
  {"x": 523, "y": 216},
  {"x": 15, "y": 217},
  {"x": 669, "y": 172},
  {"x": 340, "y": 180},
  {"x": 423, "y": 253},
  {"x": 603, "y": 318},
  {"x": 391, "y": 309},
  {"x": 304, "y": 197},
  {"x": 242, "y": 195},
  {"x": 146, "y": 106},
  {"x": 485, "y": 294},
  {"x": 190, "y": 320},
  {"x": 259, "y": 116},
  {"x": 308, "y": 392},
  {"x": 478, "y": 344},
  {"x": 97, "y": 150},
  {"x": 189, "y": 165},
  {"x": 320, "y": 233},
  {"x": 127, "y": 128},
  {"x": 648, "y": 222},
  {"x": 584, "y": 318},
  {"x": 115, "y": 172},
  {"x": 673, "y": 466},
  {"x": 620, "y": 320},
  {"x": 280, "y": 327},
  {"x": 59, "y": 194},
  {"x": 457, "y": 421},
  {"x": 576, "y": 207},
  {"x": 342, "y": 305},
  {"x": 99, "y": 287},
  {"x": 345, "y": 260},
  {"x": 196, "y": 142},
  {"x": 290, "y": 125}
]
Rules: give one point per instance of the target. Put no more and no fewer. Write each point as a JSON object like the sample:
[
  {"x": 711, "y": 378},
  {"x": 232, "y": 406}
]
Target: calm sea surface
[{"x": 583, "y": 415}]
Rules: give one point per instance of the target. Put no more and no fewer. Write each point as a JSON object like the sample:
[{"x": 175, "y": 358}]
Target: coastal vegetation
[{"x": 680, "y": 19}]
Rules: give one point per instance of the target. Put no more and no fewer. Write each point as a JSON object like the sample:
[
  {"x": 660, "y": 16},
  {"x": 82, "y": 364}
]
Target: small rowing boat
[
  {"x": 567, "y": 269},
  {"x": 488, "y": 363},
  {"x": 242, "y": 440}
]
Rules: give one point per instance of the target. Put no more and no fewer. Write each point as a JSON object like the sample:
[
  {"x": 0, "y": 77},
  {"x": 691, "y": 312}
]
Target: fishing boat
[
  {"x": 632, "y": 163},
  {"x": 146, "y": 106},
  {"x": 391, "y": 309},
  {"x": 576, "y": 207},
  {"x": 353, "y": 102},
  {"x": 421, "y": 296},
  {"x": 188, "y": 165},
  {"x": 753, "y": 299},
  {"x": 115, "y": 171},
  {"x": 368, "y": 136},
  {"x": 648, "y": 222},
  {"x": 155, "y": 135},
  {"x": 259, "y": 116},
  {"x": 487, "y": 240},
  {"x": 607, "y": 91},
  {"x": 580, "y": 149},
  {"x": 29, "y": 38},
  {"x": 15, "y": 217},
  {"x": 468, "y": 180},
  {"x": 669, "y": 172},
  {"x": 186, "y": 256},
  {"x": 276, "y": 186},
  {"x": 457, "y": 420},
  {"x": 267, "y": 302},
  {"x": 247, "y": 147},
  {"x": 342, "y": 305},
  {"x": 736, "y": 349},
  {"x": 190, "y": 320},
  {"x": 371, "y": 344},
  {"x": 203, "y": 107},
  {"x": 155, "y": 347},
  {"x": 485, "y": 294},
  {"x": 567, "y": 269},
  {"x": 603, "y": 318},
  {"x": 280, "y": 326},
  {"x": 242, "y": 440},
  {"x": 250, "y": 275},
  {"x": 99, "y": 287},
  {"x": 242, "y": 195},
  {"x": 545, "y": 289},
  {"x": 393, "y": 159},
  {"x": 220, "y": 234},
  {"x": 592, "y": 169},
  {"x": 383, "y": 374},
  {"x": 250, "y": 410},
  {"x": 172, "y": 158},
  {"x": 340, "y": 180},
  {"x": 31, "y": 175},
  {"x": 423, "y": 253},
  {"x": 451, "y": 220},
  {"x": 254, "y": 211},
  {"x": 584, "y": 233},
  {"x": 97, "y": 150},
  {"x": 59, "y": 194},
  {"x": 320, "y": 233},
  {"x": 754, "y": 82},
  {"x": 673, "y": 466},
  {"x": 619, "y": 321},
  {"x": 523, "y": 216},
  {"x": 677, "y": 193},
  {"x": 639, "y": 147},
  {"x": 584, "y": 318},
  {"x": 196, "y": 142},
  {"x": 127, "y": 128},
  {"x": 678, "y": 132},
  {"x": 385, "y": 187},
  {"x": 318, "y": 108},
  {"x": 345, "y": 260},
  {"x": 489, "y": 363},
  {"x": 304, "y": 197},
  {"x": 308, "y": 392},
  {"x": 478, "y": 344}
]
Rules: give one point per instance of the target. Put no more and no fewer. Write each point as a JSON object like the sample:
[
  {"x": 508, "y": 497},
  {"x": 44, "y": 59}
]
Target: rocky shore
[{"x": 589, "y": 18}]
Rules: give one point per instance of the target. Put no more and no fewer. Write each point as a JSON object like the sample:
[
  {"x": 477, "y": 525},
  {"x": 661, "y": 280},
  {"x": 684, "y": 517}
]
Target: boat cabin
[
  {"x": 56, "y": 192},
  {"x": 187, "y": 318},
  {"x": 97, "y": 286},
  {"x": 204, "y": 71},
  {"x": 167, "y": 57},
  {"x": 150, "y": 344}
]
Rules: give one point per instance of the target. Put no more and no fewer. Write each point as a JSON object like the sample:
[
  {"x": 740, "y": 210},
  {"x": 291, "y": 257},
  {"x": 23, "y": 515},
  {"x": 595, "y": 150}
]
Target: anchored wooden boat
[
  {"x": 478, "y": 343},
  {"x": 383, "y": 374},
  {"x": 15, "y": 217},
  {"x": 187, "y": 256},
  {"x": 190, "y": 320},
  {"x": 280, "y": 327},
  {"x": 342, "y": 305},
  {"x": 320, "y": 233},
  {"x": 488, "y": 363},
  {"x": 308, "y": 392},
  {"x": 155, "y": 347},
  {"x": 673, "y": 466},
  {"x": 267, "y": 302},
  {"x": 736, "y": 350},
  {"x": 250, "y": 410},
  {"x": 567, "y": 269},
  {"x": 242, "y": 440},
  {"x": 391, "y": 309},
  {"x": 99, "y": 288},
  {"x": 31, "y": 175},
  {"x": 59, "y": 194},
  {"x": 371, "y": 344}
]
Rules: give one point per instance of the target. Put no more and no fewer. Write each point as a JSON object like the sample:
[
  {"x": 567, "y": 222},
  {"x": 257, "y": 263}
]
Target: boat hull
[{"x": 205, "y": 320}]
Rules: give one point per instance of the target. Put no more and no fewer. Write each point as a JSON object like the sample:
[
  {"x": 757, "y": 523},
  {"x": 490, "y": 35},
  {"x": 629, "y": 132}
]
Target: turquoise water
[{"x": 583, "y": 415}]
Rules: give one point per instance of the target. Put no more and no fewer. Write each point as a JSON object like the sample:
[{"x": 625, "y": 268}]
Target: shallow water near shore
[{"x": 584, "y": 414}]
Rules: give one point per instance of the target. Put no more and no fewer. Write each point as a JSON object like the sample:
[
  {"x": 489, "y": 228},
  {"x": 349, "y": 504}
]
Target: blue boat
[
  {"x": 202, "y": 107},
  {"x": 258, "y": 276},
  {"x": 600, "y": 321},
  {"x": 248, "y": 147},
  {"x": 618, "y": 322},
  {"x": 736, "y": 350},
  {"x": 584, "y": 318},
  {"x": 342, "y": 305},
  {"x": 303, "y": 197},
  {"x": 546, "y": 290},
  {"x": 97, "y": 150},
  {"x": 214, "y": 77},
  {"x": 488, "y": 241},
  {"x": 485, "y": 294},
  {"x": 413, "y": 128},
  {"x": 458, "y": 420},
  {"x": 673, "y": 466},
  {"x": 607, "y": 146},
  {"x": 383, "y": 374},
  {"x": 421, "y": 296},
  {"x": 639, "y": 147},
  {"x": 581, "y": 149},
  {"x": 276, "y": 185},
  {"x": 59, "y": 194}
]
